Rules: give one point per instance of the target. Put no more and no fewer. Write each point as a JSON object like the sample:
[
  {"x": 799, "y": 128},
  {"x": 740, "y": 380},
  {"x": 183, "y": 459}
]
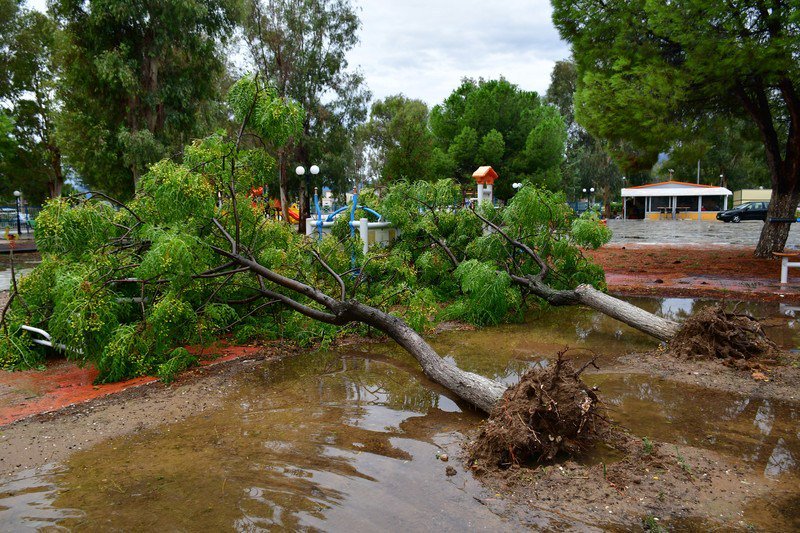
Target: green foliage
[
  {"x": 496, "y": 123},
  {"x": 478, "y": 285},
  {"x": 398, "y": 134},
  {"x": 32, "y": 162},
  {"x": 180, "y": 359},
  {"x": 134, "y": 88},
  {"x": 17, "y": 353},
  {"x": 647, "y": 446},
  {"x": 272, "y": 116},
  {"x": 302, "y": 48},
  {"x": 74, "y": 231},
  {"x": 488, "y": 294},
  {"x": 588, "y": 232}
]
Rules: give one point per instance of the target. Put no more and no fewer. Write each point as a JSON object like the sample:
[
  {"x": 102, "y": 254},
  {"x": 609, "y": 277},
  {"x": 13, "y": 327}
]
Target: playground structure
[{"x": 371, "y": 233}]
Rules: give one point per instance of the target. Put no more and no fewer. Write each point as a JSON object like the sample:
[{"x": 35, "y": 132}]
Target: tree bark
[
  {"x": 784, "y": 165},
  {"x": 637, "y": 318},
  {"x": 56, "y": 183},
  {"x": 283, "y": 184},
  {"x": 479, "y": 391},
  {"x": 774, "y": 234},
  {"x": 302, "y": 207}
]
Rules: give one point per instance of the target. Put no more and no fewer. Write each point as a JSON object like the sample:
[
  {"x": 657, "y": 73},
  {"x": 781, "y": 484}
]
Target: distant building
[
  {"x": 744, "y": 196},
  {"x": 674, "y": 200}
]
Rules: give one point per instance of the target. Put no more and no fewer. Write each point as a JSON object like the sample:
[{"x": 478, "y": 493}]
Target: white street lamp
[
  {"x": 314, "y": 169},
  {"x": 516, "y": 185},
  {"x": 19, "y": 227},
  {"x": 300, "y": 170}
]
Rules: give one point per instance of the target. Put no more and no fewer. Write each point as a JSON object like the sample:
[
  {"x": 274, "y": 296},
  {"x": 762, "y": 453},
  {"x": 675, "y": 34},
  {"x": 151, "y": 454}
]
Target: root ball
[
  {"x": 714, "y": 333},
  {"x": 549, "y": 411}
]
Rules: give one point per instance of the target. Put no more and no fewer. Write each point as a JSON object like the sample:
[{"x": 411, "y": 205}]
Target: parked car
[{"x": 748, "y": 211}]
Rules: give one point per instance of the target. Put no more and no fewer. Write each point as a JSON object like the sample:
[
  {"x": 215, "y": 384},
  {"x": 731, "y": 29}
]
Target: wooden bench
[{"x": 786, "y": 264}]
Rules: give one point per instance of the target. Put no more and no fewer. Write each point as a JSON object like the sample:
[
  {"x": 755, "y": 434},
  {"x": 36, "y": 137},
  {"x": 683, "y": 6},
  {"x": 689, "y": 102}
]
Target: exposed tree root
[
  {"x": 713, "y": 333},
  {"x": 549, "y": 411}
]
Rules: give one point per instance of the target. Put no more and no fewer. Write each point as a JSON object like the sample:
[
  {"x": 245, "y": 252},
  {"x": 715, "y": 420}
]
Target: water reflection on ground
[{"x": 348, "y": 440}]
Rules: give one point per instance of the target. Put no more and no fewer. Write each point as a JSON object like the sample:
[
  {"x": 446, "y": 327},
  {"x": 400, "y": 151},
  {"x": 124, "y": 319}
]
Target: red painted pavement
[{"x": 63, "y": 383}]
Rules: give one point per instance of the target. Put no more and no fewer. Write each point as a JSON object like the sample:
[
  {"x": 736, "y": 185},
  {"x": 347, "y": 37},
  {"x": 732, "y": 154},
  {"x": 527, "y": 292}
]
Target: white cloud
[{"x": 424, "y": 48}]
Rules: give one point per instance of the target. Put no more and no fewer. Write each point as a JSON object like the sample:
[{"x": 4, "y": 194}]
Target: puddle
[
  {"x": 764, "y": 434},
  {"x": 23, "y": 264},
  {"x": 348, "y": 440}
]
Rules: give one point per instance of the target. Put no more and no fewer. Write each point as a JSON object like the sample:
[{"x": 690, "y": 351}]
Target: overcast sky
[{"x": 423, "y": 48}]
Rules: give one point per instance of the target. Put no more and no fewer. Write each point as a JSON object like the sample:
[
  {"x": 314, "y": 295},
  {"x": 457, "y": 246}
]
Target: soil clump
[
  {"x": 738, "y": 340},
  {"x": 549, "y": 411}
]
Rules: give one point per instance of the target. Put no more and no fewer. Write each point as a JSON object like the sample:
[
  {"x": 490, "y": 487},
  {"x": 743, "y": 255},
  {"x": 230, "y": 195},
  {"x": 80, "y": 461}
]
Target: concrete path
[{"x": 692, "y": 232}]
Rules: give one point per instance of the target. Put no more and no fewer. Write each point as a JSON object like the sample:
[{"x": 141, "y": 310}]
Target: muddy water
[{"x": 348, "y": 441}]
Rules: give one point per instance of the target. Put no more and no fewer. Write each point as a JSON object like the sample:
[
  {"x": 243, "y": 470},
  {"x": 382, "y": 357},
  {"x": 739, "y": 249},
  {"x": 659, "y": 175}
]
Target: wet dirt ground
[
  {"x": 708, "y": 270},
  {"x": 348, "y": 440}
]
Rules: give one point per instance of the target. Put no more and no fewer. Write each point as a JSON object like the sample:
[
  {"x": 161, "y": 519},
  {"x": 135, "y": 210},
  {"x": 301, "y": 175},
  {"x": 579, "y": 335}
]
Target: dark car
[{"x": 748, "y": 211}]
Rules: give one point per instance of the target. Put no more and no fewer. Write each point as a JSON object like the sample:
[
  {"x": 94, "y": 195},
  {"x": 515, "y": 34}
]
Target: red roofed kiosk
[{"x": 485, "y": 177}]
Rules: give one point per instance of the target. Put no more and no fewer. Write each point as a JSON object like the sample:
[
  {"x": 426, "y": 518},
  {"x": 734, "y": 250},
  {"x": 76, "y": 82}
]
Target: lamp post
[
  {"x": 591, "y": 190},
  {"x": 587, "y": 198},
  {"x": 19, "y": 227},
  {"x": 305, "y": 210},
  {"x": 516, "y": 186}
]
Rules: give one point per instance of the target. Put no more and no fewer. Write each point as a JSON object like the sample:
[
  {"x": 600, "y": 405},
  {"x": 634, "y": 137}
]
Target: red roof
[
  {"x": 485, "y": 175},
  {"x": 671, "y": 182}
]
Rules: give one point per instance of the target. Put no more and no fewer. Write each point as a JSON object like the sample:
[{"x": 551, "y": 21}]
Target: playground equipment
[
  {"x": 294, "y": 214},
  {"x": 369, "y": 232}
]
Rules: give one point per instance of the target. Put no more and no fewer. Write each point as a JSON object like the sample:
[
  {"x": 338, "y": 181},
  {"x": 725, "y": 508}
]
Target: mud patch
[{"x": 677, "y": 486}]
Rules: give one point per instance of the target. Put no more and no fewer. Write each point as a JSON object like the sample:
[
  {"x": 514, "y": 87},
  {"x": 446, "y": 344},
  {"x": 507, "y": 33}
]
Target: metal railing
[{"x": 27, "y": 217}]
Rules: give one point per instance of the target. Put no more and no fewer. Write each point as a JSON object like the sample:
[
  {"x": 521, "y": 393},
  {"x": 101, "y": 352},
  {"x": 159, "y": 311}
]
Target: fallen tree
[
  {"x": 125, "y": 286},
  {"x": 536, "y": 242}
]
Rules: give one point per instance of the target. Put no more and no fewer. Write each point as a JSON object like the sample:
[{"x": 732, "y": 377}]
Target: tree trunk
[
  {"x": 774, "y": 234},
  {"x": 283, "y": 183},
  {"x": 302, "y": 207},
  {"x": 479, "y": 391},
  {"x": 606, "y": 202},
  {"x": 635, "y": 317},
  {"x": 629, "y": 314},
  {"x": 56, "y": 183}
]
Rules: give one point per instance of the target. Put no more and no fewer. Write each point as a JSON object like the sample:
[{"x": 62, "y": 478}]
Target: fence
[{"x": 27, "y": 216}]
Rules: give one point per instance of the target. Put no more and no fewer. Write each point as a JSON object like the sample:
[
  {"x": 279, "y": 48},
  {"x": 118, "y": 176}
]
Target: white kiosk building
[{"x": 674, "y": 200}]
